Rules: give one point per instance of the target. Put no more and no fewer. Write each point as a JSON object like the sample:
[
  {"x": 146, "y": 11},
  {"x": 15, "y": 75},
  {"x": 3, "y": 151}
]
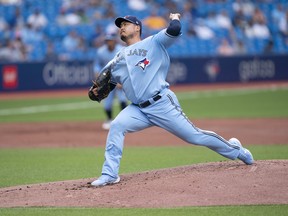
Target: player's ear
[{"x": 138, "y": 28}]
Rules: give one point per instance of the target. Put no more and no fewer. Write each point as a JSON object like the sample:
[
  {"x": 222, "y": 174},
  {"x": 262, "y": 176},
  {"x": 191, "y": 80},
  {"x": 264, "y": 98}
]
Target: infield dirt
[{"x": 221, "y": 183}]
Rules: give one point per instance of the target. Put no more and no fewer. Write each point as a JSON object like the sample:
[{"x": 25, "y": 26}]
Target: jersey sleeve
[
  {"x": 111, "y": 64},
  {"x": 109, "y": 67},
  {"x": 165, "y": 39}
]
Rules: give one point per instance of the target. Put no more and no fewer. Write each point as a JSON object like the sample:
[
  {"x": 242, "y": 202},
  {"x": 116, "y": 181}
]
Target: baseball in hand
[{"x": 174, "y": 16}]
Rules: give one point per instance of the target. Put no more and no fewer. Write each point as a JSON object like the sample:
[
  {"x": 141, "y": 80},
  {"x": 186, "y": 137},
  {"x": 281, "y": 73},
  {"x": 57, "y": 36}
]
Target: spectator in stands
[
  {"x": 17, "y": 31},
  {"x": 16, "y": 20},
  {"x": 138, "y": 5},
  {"x": 191, "y": 31},
  {"x": 239, "y": 20},
  {"x": 187, "y": 15},
  {"x": 3, "y": 24},
  {"x": 82, "y": 15},
  {"x": 277, "y": 14},
  {"x": 37, "y": 20},
  {"x": 74, "y": 47},
  {"x": 155, "y": 22},
  {"x": 210, "y": 20},
  {"x": 71, "y": 42},
  {"x": 11, "y": 2},
  {"x": 74, "y": 5},
  {"x": 111, "y": 29},
  {"x": 283, "y": 26},
  {"x": 61, "y": 18},
  {"x": 239, "y": 48},
  {"x": 96, "y": 3},
  {"x": 246, "y": 6},
  {"x": 225, "y": 49},
  {"x": 109, "y": 11},
  {"x": 257, "y": 30},
  {"x": 194, "y": 9},
  {"x": 97, "y": 38},
  {"x": 170, "y": 5},
  {"x": 223, "y": 20},
  {"x": 258, "y": 16},
  {"x": 4, "y": 55},
  {"x": 71, "y": 14},
  {"x": 269, "y": 47},
  {"x": 261, "y": 30},
  {"x": 82, "y": 46},
  {"x": 30, "y": 35},
  {"x": 22, "y": 47},
  {"x": 202, "y": 31},
  {"x": 68, "y": 18},
  {"x": 10, "y": 52},
  {"x": 51, "y": 55},
  {"x": 248, "y": 29}
]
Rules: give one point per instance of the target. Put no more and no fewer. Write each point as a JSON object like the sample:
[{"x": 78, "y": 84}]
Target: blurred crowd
[{"x": 41, "y": 30}]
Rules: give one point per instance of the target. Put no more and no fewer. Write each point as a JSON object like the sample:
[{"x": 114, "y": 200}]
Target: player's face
[
  {"x": 128, "y": 30},
  {"x": 111, "y": 44}
]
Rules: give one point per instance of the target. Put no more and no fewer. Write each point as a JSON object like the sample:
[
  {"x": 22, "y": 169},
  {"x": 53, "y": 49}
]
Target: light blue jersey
[{"x": 142, "y": 67}]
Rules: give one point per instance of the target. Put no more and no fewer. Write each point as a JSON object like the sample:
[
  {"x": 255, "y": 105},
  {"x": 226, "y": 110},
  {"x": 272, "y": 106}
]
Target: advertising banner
[
  {"x": 228, "y": 69},
  {"x": 45, "y": 76},
  {"x": 78, "y": 74}
]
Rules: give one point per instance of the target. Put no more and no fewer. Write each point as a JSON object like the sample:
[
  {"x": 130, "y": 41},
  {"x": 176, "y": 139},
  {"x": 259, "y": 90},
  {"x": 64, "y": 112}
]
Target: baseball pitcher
[{"x": 141, "y": 68}]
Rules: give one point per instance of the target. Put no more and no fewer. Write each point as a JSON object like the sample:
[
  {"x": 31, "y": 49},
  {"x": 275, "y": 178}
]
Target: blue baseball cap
[{"x": 128, "y": 18}]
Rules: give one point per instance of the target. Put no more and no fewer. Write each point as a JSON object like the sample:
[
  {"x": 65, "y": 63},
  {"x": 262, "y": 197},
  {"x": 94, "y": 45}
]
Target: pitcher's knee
[{"x": 117, "y": 126}]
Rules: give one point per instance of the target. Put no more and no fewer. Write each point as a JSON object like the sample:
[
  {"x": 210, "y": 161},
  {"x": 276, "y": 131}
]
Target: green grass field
[{"x": 27, "y": 166}]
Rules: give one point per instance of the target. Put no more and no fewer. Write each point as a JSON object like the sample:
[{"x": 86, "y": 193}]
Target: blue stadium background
[{"x": 187, "y": 46}]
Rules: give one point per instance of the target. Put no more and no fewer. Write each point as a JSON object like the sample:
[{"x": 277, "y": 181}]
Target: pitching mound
[{"x": 221, "y": 183}]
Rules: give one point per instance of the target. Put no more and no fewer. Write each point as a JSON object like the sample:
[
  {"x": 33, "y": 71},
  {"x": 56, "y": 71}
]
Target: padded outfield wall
[{"x": 72, "y": 75}]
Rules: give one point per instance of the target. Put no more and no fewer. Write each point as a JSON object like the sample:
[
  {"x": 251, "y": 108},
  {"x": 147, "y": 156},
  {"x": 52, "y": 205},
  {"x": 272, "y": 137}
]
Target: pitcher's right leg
[{"x": 131, "y": 119}]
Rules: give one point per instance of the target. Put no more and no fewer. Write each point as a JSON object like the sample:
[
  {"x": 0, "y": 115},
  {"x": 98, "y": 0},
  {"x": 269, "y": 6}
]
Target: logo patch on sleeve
[{"x": 143, "y": 63}]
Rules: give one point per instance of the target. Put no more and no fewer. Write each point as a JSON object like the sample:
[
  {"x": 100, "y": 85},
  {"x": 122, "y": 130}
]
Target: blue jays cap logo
[{"x": 143, "y": 63}]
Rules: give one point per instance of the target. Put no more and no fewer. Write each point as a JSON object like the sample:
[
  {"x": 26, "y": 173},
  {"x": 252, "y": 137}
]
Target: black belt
[{"x": 148, "y": 103}]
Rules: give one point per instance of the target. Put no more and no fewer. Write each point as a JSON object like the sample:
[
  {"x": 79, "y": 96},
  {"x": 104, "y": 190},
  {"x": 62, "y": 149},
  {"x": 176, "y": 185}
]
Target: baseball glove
[{"x": 102, "y": 85}]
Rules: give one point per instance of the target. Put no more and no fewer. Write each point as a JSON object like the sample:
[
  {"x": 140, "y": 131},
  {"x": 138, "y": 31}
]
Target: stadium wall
[{"x": 73, "y": 75}]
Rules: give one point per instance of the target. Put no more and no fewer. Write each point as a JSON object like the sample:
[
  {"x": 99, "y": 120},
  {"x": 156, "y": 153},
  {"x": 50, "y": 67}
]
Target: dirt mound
[{"x": 221, "y": 183}]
